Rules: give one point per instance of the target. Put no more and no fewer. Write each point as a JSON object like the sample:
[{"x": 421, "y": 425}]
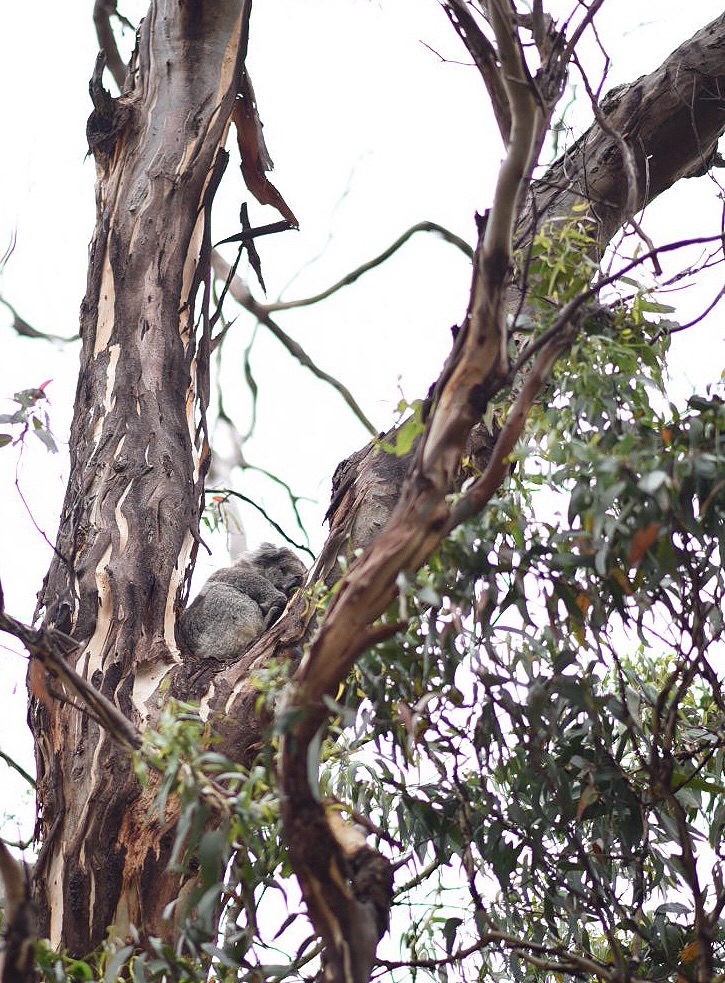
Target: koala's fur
[{"x": 237, "y": 604}]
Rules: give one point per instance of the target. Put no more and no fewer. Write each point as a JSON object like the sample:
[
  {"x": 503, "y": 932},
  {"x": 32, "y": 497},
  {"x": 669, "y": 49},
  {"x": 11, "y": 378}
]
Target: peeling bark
[
  {"x": 130, "y": 519},
  {"x": 670, "y": 121}
]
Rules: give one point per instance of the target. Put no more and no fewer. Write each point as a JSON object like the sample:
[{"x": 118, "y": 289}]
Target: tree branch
[
  {"x": 353, "y": 275},
  {"x": 51, "y": 648},
  {"x": 475, "y": 370},
  {"x": 240, "y": 293},
  {"x": 103, "y": 10}
]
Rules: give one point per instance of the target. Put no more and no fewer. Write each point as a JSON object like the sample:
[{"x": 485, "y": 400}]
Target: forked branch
[{"x": 346, "y": 894}]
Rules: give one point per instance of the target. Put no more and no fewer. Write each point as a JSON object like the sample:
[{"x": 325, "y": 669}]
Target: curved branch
[
  {"x": 21, "y": 327},
  {"x": 103, "y": 10},
  {"x": 353, "y": 275},
  {"x": 230, "y": 493},
  {"x": 11, "y": 763},
  {"x": 240, "y": 293},
  {"x": 337, "y": 901}
]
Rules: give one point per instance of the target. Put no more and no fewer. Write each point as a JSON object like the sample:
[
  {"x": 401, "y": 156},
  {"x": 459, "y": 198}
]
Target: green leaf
[
  {"x": 46, "y": 438},
  {"x": 212, "y": 856},
  {"x": 116, "y": 963}
]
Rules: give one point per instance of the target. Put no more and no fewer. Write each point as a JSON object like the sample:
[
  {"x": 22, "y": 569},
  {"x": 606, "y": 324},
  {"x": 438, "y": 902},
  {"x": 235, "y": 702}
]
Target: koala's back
[{"x": 221, "y": 622}]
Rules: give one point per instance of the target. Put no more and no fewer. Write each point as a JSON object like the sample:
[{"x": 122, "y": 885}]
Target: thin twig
[
  {"x": 230, "y": 493},
  {"x": 628, "y": 160},
  {"x": 21, "y": 327},
  {"x": 244, "y": 298},
  {"x": 353, "y": 275},
  {"x": 573, "y": 305},
  {"x": 11, "y": 763}
]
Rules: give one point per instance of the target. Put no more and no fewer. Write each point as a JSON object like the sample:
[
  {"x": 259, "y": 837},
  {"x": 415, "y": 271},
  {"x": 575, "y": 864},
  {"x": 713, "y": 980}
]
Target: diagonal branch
[
  {"x": 353, "y": 275},
  {"x": 240, "y": 293},
  {"x": 674, "y": 134},
  {"x": 336, "y": 898},
  {"x": 51, "y": 648},
  {"x": 484, "y": 55}
]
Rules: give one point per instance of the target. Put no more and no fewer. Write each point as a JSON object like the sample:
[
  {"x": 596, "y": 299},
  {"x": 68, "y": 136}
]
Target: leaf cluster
[
  {"x": 30, "y": 417},
  {"x": 544, "y": 743}
]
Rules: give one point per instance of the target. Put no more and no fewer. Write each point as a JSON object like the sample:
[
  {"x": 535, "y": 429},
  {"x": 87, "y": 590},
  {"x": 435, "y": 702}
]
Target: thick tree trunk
[{"x": 130, "y": 519}]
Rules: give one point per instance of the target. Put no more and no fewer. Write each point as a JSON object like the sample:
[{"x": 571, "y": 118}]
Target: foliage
[
  {"x": 228, "y": 846},
  {"x": 544, "y": 743},
  {"x": 546, "y": 739},
  {"x": 30, "y": 417},
  {"x": 540, "y": 748}
]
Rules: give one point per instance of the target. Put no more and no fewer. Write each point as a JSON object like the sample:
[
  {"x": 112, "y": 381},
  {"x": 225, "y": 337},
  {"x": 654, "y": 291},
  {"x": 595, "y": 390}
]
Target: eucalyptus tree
[{"x": 472, "y": 708}]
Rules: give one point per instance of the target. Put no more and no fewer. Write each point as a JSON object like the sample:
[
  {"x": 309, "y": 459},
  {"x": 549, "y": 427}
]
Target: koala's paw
[{"x": 274, "y": 608}]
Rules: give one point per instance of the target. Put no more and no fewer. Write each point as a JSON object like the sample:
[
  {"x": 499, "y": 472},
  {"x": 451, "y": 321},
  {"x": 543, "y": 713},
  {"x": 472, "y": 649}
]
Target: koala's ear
[{"x": 265, "y": 553}]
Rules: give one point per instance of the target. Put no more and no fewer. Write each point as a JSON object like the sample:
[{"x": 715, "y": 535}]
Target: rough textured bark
[
  {"x": 130, "y": 518},
  {"x": 650, "y": 133}
]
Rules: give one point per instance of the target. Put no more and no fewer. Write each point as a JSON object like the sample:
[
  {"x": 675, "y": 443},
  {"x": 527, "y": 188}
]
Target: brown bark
[
  {"x": 130, "y": 519},
  {"x": 129, "y": 524},
  {"x": 369, "y": 482},
  {"x": 16, "y": 953},
  {"x": 666, "y": 125}
]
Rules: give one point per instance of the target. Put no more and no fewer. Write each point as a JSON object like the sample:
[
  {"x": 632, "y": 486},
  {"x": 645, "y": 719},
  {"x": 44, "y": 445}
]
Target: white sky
[{"x": 370, "y": 132}]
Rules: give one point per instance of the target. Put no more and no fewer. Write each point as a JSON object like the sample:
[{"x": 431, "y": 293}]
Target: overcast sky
[{"x": 375, "y": 122}]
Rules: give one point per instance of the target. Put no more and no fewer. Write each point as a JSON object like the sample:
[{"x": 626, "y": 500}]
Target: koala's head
[{"x": 280, "y": 566}]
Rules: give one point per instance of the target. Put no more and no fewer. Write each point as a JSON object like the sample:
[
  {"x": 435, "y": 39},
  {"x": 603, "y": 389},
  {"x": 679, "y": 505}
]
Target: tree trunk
[{"x": 130, "y": 519}]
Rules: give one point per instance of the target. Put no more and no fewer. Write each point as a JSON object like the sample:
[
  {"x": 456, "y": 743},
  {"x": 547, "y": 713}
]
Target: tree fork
[{"x": 130, "y": 517}]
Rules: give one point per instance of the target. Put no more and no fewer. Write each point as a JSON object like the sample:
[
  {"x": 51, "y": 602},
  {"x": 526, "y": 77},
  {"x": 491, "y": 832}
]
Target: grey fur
[{"x": 237, "y": 604}]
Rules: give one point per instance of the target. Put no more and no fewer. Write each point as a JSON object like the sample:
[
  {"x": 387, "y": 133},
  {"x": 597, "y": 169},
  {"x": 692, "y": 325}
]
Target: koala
[{"x": 237, "y": 604}]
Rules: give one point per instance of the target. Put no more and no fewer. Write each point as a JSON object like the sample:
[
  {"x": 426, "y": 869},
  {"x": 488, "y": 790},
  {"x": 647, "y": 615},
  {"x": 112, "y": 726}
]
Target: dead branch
[{"x": 51, "y": 648}]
